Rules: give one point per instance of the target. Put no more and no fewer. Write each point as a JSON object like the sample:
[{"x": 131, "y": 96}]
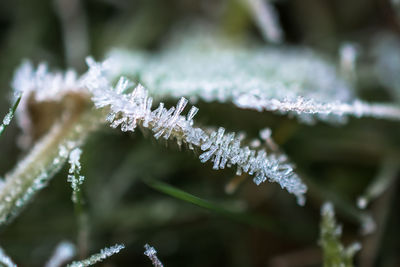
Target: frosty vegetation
[
  {"x": 285, "y": 80},
  {"x": 74, "y": 176},
  {"x": 5, "y": 260},
  {"x": 335, "y": 254},
  {"x": 95, "y": 258},
  {"x": 224, "y": 149},
  {"x": 152, "y": 254}
]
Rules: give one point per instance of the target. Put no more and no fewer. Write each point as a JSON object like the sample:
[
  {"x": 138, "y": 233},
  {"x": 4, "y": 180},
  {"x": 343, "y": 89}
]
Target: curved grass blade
[{"x": 271, "y": 225}]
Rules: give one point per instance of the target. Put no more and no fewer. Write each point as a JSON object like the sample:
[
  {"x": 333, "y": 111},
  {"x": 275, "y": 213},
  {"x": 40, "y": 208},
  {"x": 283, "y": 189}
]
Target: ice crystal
[
  {"x": 5, "y": 260},
  {"x": 127, "y": 110},
  {"x": 152, "y": 254},
  {"x": 64, "y": 252},
  {"x": 335, "y": 254},
  {"x": 285, "y": 80},
  {"x": 74, "y": 176},
  {"x": 45, "y": 85},
  {"x": 104, "y": 254}
]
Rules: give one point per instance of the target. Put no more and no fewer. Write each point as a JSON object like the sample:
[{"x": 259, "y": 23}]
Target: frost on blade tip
[
  {"x": 38, "y": 86},
  {"x": 45, "y": 85},
  {"x": 284, "y": 80},
  {"x": 104, "y": 254},
  {"x": 5, "y": 260},
  {"x": 64, "y": 252},
  {"x": 335, "y": 254},
  {"x": 74, "y": 176},
  {"x": 151, "y": 253},
  {"x": 10, "y": 114},
  {"x": 128, "y": 110}
]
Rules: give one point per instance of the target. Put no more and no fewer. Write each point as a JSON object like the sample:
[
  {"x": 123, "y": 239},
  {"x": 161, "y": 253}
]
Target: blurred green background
[{"x": 265, "y": 226}]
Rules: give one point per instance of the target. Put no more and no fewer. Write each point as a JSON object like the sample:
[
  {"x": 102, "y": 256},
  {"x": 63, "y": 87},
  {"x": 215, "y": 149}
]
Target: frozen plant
[
  {"x": 335, "y": 254},
  {"x": 128, "y": 110},
  {"x": 95, "y": 258},
  {"x": 74, "y": 176},
  {"x": 285, "y": 80},
  {"x": 151, "y": 252}
]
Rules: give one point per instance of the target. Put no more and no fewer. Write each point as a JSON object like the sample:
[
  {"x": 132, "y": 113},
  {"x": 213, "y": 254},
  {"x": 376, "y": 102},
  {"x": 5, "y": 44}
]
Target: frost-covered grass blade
[
  {"x": 7, "y": 119},
  {"x": 151, "y": 253},
  {"x": 5, "y": 260},
  {"x": 335, "y": 254},
  {"x": 224, "y": 149},
  {"x": 98, "y": 257},
  {"x": 285, "y": 80}
]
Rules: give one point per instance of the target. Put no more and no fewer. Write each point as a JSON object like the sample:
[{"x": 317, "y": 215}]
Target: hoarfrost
[
  {"x": 74, "y": 176},
  {"x": 104, "y": 254},
  {"x": 152, "y": 254},
  {"x": 285, "y": 80},
  {"x": 223, "y": 149}
]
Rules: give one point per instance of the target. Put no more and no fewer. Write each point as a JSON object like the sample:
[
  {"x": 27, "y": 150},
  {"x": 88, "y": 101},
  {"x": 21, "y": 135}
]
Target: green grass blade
[
  {"x": 7, "y": 119},
  {"x": 259, "y": 221}
]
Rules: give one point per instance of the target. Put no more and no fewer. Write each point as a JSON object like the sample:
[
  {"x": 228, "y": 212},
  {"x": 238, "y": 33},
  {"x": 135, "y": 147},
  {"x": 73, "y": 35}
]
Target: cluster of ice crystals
[
  {"x": 104, "y": 254},
  {"x": 64, "y": 252},
  {"x": 127, "y": 110},
  {"x": 286, "y": 80},
  {"x": 152, "y": 254},
  {"x": 5, "y": 260},
  {"x": 45, "y": 85},
  {"x": 74, "y": 176},
  {"x": 40, "y": 85}
]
